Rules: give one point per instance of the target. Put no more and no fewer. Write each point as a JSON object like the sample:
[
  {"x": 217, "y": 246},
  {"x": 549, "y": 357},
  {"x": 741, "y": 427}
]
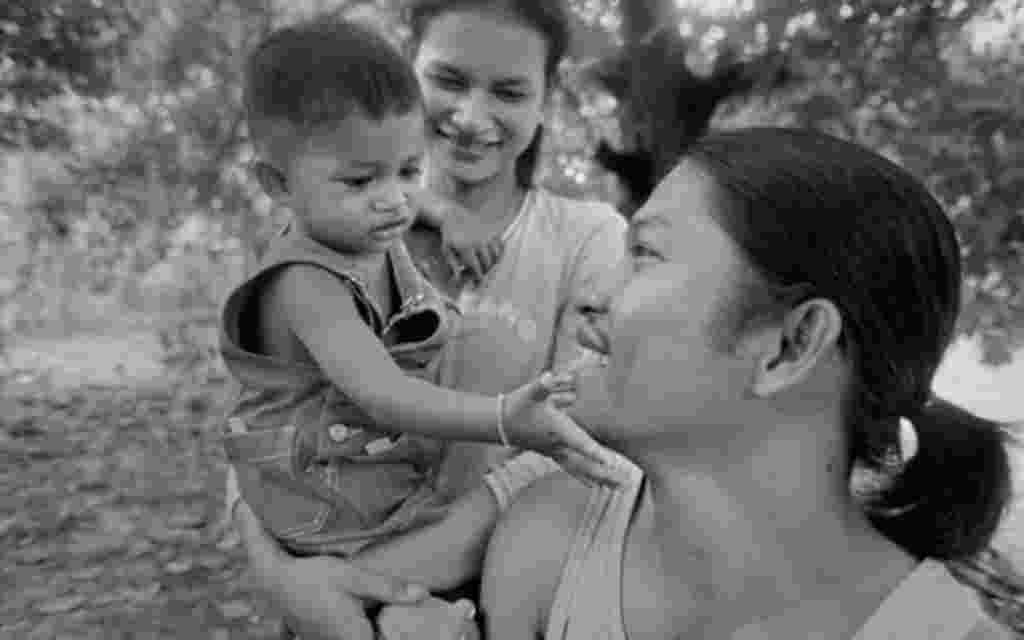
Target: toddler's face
[{"x": 348, "y": 186}]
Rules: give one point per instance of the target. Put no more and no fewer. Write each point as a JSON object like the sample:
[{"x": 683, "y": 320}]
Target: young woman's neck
[
  {"x": 767, "y": 514},
  {"x": 495, "y": 200}
]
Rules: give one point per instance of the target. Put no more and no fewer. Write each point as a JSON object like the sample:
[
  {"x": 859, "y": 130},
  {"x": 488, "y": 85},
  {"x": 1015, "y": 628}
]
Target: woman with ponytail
[{"x": 788, "y": 299}]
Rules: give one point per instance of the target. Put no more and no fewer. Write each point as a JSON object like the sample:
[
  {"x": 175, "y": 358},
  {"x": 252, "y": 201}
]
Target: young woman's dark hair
[
  {"x": 815, "y": 214},
  {"x": 550, "y": 18}
]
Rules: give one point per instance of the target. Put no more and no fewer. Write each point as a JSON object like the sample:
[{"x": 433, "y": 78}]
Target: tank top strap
[{"x": 588, "y": 601}]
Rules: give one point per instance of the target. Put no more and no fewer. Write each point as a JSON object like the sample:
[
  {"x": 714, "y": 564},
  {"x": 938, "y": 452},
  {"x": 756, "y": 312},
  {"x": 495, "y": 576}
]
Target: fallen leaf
[
  {"x": 88, "y": 573},
  {"x": 235, "y": 609},
  {"x": 187, "y": 520},
  {"x": 61, "y": 605},
  {"x": 128, "y": 594},
  {"x": 213, "y": 561},
  {"x": 95, "y": 544},
  {"x": 32, "y": 555},
  {"x": 178, "y": 567}
]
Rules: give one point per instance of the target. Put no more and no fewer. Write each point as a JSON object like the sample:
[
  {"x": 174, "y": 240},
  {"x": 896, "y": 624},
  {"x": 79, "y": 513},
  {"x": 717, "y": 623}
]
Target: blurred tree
[
  {"x": 51, "y": 46},
  {"x": 907, "y": 79},
  {"x": 142, "y": 98}
]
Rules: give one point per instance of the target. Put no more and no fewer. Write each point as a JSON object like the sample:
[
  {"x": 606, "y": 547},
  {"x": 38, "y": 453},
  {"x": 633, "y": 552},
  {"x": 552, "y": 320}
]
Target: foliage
[
  {"x": 137, "y": 104},
  {"x": 910, "y": 80},
  {"x": 50, "y": 47}
]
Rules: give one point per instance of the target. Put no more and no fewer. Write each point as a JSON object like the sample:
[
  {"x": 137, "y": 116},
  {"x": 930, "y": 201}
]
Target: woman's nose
[
  {"x": 391, "y": 196},
  {"x": 471, "y": 112}
]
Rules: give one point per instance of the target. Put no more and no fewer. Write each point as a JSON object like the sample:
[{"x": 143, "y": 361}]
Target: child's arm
[
  {"x": 320, "y": 311},
  {"x": 445, "y": 554}
]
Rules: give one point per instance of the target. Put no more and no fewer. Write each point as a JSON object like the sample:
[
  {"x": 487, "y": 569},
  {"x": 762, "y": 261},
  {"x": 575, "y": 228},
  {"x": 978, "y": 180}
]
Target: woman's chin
[{"x": 471, "y": 173}]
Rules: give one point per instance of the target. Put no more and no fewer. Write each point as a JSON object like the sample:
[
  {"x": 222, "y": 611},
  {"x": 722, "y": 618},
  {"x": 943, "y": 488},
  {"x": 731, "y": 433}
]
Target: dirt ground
[{"x": 110, "y": 492}]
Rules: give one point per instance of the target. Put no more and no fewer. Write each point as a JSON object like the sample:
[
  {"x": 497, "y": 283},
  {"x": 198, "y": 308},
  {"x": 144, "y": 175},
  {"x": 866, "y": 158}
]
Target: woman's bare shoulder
[{"x": 527, "y": 553}]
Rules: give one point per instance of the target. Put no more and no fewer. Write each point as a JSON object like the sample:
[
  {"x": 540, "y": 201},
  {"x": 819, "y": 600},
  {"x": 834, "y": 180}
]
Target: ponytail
[{"x": 947, "y": 500}]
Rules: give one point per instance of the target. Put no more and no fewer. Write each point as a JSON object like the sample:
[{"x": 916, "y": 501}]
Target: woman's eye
[
  {"x": 643, "y": 252},
  {"x": 411, "y": 173},
  {"x": 358, "y": 182},
  {"x": 448, "y": 83},
  {"x": 512, "y": 96}
]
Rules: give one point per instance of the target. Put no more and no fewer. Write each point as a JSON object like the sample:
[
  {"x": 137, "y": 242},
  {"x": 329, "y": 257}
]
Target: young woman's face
[
  {"x": 483, "y": 81},
  {"x": 666, "y": 370}
]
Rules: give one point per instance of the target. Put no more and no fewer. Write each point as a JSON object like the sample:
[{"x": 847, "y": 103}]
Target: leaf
[
  {"x": 61, "y": 605},
  {"x": 235, "y": 609}
]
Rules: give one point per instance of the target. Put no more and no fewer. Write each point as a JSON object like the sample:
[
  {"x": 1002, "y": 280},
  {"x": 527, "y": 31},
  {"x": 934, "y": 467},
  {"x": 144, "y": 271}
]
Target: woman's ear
[
  {"x": 271, "y": 179},
  {"x": 808, "y": 335}
]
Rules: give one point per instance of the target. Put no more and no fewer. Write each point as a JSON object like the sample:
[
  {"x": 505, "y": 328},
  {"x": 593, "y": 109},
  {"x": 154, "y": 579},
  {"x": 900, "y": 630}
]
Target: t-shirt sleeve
[{"x": 594, "y": 271}]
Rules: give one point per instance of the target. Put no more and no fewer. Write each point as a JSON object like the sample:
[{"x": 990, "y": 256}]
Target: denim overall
[{"x": 317, "y": 471}]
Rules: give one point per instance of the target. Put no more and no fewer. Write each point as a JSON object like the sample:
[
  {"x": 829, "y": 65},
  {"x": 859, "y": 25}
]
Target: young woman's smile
[{"x": 485, "y": 97}]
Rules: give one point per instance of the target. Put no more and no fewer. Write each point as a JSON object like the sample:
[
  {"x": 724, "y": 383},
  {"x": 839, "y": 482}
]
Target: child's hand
[
  {"x": 461, "y": 232},
  {"x": 532, "y": 422}
]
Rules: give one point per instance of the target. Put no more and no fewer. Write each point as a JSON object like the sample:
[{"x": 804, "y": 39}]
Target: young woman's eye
[
  {"x": 411, "y": 173},
  {"x": 448, "y": 83},
  {"x": 509, "y": 95},
  {"x": 357, "y": 182}
]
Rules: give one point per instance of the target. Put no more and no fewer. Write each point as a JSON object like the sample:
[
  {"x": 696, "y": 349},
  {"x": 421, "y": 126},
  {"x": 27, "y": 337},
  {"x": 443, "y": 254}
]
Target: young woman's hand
[
  {"x": 321, "y": 597},
  {"x": 435, "y": 619},
  {"x": 324, "y": 597},
  {"x": 470, "y": 247},
  {"x": 532, "y": 421}
]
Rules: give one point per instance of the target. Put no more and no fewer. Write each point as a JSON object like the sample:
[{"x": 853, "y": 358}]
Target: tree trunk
[{"x": 640, "y": 17}]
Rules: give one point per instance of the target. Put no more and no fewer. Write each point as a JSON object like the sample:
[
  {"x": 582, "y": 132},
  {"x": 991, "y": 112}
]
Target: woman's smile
[{"x": 467, "y": 139}]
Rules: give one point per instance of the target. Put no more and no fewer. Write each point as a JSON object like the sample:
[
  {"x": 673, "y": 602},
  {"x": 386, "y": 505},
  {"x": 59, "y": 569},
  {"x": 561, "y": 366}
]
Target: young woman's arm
[
  {"x": 443, "y": 555},
  {"x": 321, "y": 596}
]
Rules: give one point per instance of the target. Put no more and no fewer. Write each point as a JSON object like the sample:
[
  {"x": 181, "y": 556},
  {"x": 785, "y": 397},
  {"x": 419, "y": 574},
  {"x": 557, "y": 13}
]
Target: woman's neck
[
  {"x": 767, "y": 519},
  {"x": 495, "y": 201}
]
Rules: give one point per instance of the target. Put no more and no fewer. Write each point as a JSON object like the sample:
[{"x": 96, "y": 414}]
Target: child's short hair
[{"x": 317, "y": 73}]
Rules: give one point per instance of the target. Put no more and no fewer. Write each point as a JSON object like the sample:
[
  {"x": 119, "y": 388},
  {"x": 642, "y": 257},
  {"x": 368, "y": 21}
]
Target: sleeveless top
[
  {"x": 929, "y": 604},
  {"x": 321, "y": 476}
]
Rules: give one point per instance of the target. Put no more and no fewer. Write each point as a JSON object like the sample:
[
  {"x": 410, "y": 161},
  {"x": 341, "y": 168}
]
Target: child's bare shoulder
[{"x": 295, "y": 289}]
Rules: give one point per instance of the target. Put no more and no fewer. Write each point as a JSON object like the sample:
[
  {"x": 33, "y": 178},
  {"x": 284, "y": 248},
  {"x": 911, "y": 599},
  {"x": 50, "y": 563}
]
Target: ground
[
  {"x": 110, "y": 491},
  {"x": 109, "y": 505}
]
